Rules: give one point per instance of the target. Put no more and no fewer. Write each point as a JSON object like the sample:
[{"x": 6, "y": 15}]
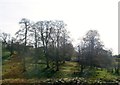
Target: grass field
[
  {"x": 12, "y": 72},
  {"x": 68, "y": 69}
]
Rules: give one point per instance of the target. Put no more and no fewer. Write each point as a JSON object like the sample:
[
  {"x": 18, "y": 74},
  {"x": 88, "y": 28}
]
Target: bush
[{"x": 5, "y": 55}]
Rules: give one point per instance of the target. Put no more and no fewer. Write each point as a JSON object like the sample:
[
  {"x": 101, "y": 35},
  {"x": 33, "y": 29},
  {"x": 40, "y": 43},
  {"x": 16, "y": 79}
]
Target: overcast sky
[{"x": 79, "y": 15}]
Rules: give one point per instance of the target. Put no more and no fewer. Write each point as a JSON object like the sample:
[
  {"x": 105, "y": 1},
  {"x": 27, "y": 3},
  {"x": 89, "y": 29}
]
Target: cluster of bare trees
[
  {"x": 92, "y": 52},
  {"x": 6, "y": 41},
  {"x": 50, "y": 39},
  {"x": 49, "y": 35}
]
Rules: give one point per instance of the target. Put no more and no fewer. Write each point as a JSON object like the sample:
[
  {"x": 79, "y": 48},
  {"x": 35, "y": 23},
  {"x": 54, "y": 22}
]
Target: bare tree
[
  {"x": 59, "y": 26},
  {"x": 22, "y": 36},
  {"x": 45, "y": 31},
  {"x": 93, "y": 53},
  {"x": 35, "y": 34},
  {"x": 92, "y": 41},
  {"x": 5, "y": 37}
]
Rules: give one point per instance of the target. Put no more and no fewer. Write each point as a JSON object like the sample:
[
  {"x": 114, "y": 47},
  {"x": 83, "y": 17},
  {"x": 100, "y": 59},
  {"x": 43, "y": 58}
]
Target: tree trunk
[
  {"x": 47, "y": 61},
  {"x": 24, "y": 68},
  {"x": 82, "y": 67},
  {"x": 46, "y": 55},
  {"x": 57, "y": 64}
]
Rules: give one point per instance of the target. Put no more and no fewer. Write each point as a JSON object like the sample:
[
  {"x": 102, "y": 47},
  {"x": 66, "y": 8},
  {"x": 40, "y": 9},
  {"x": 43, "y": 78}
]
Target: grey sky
[{"x": 79, "y": 15}]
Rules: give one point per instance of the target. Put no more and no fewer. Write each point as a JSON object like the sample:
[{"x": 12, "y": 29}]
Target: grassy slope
[{"x": 12, "y": 71}]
